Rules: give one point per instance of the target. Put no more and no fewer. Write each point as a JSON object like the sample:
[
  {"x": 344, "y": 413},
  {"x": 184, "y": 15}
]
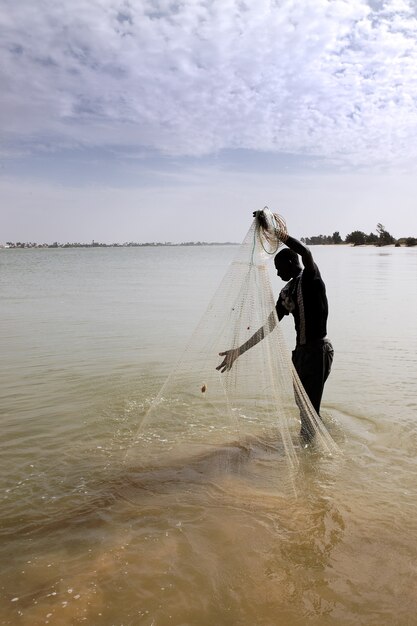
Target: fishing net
[{"x": 245, "y": 416}]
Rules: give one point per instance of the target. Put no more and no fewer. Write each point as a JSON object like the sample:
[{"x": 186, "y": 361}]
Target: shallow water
[{"x": 88, "y": 336}]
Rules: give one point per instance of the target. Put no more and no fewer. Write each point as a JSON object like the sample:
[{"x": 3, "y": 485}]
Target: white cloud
[{"x": 331, "y": 78}]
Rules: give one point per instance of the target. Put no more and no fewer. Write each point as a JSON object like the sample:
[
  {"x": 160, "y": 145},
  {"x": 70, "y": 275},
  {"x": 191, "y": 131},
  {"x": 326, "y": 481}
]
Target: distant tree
[
  {"x": 385, "y": 238},
  {"x": 336, "y": 238},
  {"x": 317, "y": 240},
  {"x": 372, "y": 238},
  {"x": 411, "y": 241},
  {"x": 357, "y": 237}
]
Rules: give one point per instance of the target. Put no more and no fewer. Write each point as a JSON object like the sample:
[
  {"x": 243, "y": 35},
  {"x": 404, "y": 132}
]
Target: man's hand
[
  {"x": 230, "y": 357},
  {"x": 260, "y": 217}
]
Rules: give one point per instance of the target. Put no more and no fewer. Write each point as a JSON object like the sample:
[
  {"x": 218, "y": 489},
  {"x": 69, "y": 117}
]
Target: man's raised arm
[{"x": 304, "y": 252}]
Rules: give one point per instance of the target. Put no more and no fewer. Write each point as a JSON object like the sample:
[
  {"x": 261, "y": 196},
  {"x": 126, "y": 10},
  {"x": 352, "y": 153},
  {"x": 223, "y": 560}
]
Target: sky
[{"x": 165, "y": 120}]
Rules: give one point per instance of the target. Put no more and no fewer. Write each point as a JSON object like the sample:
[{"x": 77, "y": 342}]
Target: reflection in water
[{"x": 318, "y": 530}]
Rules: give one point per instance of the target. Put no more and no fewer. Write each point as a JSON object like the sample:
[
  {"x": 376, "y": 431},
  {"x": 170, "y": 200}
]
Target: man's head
[{"x": 287, "y": 264}]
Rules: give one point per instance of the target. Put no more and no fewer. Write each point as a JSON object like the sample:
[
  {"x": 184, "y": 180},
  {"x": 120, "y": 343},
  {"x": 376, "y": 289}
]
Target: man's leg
[{"x": 313, "y": 364}]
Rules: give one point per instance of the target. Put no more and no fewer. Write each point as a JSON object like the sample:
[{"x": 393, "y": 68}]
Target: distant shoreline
[
  {"x": 30, "y": 245},
  {"x": 46, "y": 246}
]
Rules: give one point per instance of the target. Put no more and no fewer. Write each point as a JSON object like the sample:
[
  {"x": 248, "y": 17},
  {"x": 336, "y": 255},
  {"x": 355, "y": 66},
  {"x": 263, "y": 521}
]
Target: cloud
[{"x": 334, "y": 79}]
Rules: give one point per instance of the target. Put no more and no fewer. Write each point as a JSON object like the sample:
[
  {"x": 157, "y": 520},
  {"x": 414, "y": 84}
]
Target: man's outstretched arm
[{"x": 230, "y": 356}]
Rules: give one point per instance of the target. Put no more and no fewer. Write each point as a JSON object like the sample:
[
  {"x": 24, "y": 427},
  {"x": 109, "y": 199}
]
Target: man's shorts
[{"x": 313, "y": 362}]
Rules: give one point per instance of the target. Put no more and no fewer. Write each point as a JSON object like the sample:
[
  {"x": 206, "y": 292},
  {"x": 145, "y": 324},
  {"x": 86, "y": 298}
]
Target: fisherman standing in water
[{"x": 304, "y": 296}]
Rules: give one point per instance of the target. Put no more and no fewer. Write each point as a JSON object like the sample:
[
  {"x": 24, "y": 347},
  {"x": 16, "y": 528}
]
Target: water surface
[{"x": 88, "y": 336}]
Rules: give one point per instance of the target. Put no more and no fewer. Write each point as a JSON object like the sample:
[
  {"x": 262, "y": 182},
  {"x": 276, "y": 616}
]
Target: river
[{"x": 88, "y": 337}]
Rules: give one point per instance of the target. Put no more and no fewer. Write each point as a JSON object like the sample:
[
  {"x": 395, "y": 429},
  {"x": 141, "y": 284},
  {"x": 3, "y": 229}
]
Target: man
[{"x": 304, "y": 296}]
